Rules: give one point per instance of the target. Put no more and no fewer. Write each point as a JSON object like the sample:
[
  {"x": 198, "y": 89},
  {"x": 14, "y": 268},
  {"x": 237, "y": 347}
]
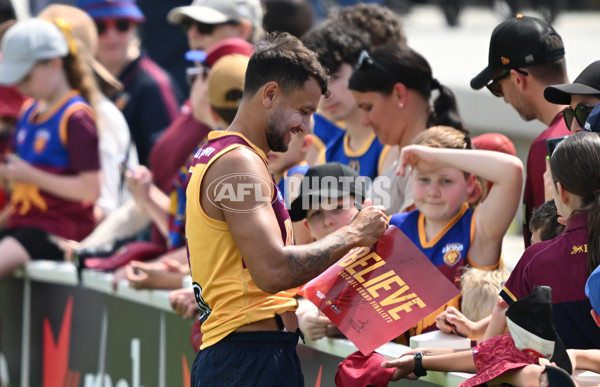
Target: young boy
[
  {"x": 544, "y": 223},
  {"x": 323, "y": 211},
  {"x": 288, "y": 168},
  {"x": 338, "y": 47},
  {"x": 443, "y": 226}
]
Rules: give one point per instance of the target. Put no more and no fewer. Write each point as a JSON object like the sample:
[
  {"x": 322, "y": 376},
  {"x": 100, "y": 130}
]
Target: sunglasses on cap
[
  {"x": 191, "y": 73},
  {"x": 121, "y": 25},
  {"x": 365, "y": 62},
  {"x": 580, "y": 113},
  {"x": 494, "y": 85}
]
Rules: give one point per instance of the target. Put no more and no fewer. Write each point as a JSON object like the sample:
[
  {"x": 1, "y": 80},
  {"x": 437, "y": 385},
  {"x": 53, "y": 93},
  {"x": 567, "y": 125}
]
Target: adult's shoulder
[
  {"x": 542, "y": 252},
  {"x": 557, "y": 128}
]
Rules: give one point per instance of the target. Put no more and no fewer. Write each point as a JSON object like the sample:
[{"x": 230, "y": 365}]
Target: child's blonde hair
[
  {"x": 480, "y": 289},
  {"x": 443, "y": 137}
]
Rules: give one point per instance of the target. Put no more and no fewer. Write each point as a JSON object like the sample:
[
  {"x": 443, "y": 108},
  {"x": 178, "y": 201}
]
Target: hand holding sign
[{"x": 375, "y": 294}]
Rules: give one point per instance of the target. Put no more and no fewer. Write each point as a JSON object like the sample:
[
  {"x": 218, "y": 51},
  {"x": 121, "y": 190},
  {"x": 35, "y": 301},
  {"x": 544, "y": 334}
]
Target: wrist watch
[{"x": 419, "y": 370}]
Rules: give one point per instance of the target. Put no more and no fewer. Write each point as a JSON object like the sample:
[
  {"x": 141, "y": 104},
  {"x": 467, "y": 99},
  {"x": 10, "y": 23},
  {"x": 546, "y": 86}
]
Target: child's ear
[
  {"x": 307, "y": 143},
  {"x": 595, "y": 317},
  {"x": 305, "y": 223},
  {"x": 474, "y": 193},
  {"x": 471, "y": 184}
]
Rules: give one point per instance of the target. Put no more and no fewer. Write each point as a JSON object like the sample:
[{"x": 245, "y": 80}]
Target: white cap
[
  {"x": 219, "y": 11},
  {"x": 26, "y": 43}
]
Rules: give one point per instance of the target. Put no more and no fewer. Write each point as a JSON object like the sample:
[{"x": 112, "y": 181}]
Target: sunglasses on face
[
  {"x": 191, "y": 73},
  {"x": 494, "y": 85},
  {"x": 365, "y": 62},
  {"x": 580, "y": 113},
  {"x": 121, "y": 25},
  {"x": 204, "y": 29}
]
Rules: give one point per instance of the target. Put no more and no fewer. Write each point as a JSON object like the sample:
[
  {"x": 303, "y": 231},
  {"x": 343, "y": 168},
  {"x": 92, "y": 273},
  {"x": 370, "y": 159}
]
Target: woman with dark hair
[{"x": 393, "y": 87}]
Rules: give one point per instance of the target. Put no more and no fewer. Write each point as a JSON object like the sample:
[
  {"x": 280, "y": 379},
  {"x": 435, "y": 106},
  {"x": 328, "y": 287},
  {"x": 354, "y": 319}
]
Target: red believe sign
[{"x": 374, "y": 294}]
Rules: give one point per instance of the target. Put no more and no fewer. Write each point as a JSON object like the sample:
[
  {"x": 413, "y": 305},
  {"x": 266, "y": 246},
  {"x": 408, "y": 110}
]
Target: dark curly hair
[
  {"x": 335, "y": 44},
  {"x": 381, "y": 23}
]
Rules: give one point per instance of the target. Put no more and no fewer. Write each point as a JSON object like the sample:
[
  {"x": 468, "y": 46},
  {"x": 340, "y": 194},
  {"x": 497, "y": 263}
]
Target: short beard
[{"x": 275, "y": 139}]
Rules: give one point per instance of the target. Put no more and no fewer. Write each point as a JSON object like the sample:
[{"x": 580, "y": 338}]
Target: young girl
[
  {"x": 443, "y": 226},
  {"x": 393, "y": 86},
  {"x": 55, "y": 175}
]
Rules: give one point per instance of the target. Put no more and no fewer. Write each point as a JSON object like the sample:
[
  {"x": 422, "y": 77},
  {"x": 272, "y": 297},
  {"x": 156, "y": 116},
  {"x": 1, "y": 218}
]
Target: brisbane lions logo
[{"x": 452, "y": 253}]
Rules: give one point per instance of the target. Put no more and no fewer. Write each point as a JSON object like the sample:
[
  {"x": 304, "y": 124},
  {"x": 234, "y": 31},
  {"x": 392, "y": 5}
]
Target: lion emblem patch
[{"x": 452, "y": 253}]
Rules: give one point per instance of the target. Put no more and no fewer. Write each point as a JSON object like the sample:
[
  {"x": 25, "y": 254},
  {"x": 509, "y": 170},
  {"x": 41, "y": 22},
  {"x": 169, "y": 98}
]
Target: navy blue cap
[
  {"x": 105, "y": 9},
  {"x": 593, "y": 121}
]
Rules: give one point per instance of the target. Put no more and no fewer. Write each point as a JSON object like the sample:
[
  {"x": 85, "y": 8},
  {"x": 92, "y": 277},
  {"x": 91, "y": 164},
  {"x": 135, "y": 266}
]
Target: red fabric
[
  {"x": 196, "y": 335},
  {"x": 360, "y": 370},
  {"x": 494, "y": 357},
  {"x": 133, "y": 251},
  {"x": 533, "y": 196},
  {"x": 82, "y": 138},
  {"x": 10, "y": 101},
  {"x": 171, "y": 151},
  {"x": 227, "y": 47}
]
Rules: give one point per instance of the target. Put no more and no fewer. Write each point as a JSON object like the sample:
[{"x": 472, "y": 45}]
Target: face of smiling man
[{"x": 292, "y": 114}]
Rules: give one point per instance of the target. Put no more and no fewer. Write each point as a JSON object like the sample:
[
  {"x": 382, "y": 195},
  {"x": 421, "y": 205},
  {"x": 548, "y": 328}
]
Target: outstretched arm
[
  {"x": 253, "y": 224},
  {"x": 585, "y": 359},
  {"x": 149, "y": 197},
  {"x": 457, "y": 361}
]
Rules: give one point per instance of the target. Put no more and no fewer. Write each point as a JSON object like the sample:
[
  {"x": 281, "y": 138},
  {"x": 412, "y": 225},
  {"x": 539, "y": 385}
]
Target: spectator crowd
[{"x": 110, "y": 161}]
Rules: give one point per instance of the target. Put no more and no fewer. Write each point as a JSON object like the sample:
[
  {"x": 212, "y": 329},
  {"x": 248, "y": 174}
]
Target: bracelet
[{"x": 419, "y": 370}]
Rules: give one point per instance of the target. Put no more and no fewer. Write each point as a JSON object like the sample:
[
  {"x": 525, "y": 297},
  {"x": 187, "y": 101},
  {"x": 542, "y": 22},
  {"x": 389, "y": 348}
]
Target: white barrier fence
[{"x": 63, "y": 328}]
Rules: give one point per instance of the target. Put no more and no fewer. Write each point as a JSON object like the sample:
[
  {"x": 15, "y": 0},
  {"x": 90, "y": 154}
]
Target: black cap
[
  {"x": 326, "y": 181},
  {"x": 586, "y": 83},
  {"x": 519, "y": 42},
  {"x": 533, "y": 315},
  {"x": 557, "y": 377}
]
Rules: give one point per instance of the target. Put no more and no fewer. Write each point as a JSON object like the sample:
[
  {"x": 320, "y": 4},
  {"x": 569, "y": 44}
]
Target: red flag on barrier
[{"x": 374, "y": 294}]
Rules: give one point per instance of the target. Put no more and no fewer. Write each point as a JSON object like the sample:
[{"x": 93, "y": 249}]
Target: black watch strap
[{"x": 419, "y": 370}]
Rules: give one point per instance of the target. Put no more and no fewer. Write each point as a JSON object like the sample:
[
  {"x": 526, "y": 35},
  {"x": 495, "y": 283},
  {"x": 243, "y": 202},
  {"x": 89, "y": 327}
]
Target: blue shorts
[{"x": 250, "y": 359}]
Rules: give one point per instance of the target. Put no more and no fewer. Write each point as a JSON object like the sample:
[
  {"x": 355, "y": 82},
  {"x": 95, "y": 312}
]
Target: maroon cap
[
  {"x": 360, "y": 370},
  {"x": 227, "y": 47},
  {"x": 494, "y": 142}
]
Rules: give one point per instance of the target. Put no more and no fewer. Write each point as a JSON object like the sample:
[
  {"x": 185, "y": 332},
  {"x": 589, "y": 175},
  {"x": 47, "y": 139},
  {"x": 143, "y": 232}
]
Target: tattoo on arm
[{"x": 308, "y": 261}]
